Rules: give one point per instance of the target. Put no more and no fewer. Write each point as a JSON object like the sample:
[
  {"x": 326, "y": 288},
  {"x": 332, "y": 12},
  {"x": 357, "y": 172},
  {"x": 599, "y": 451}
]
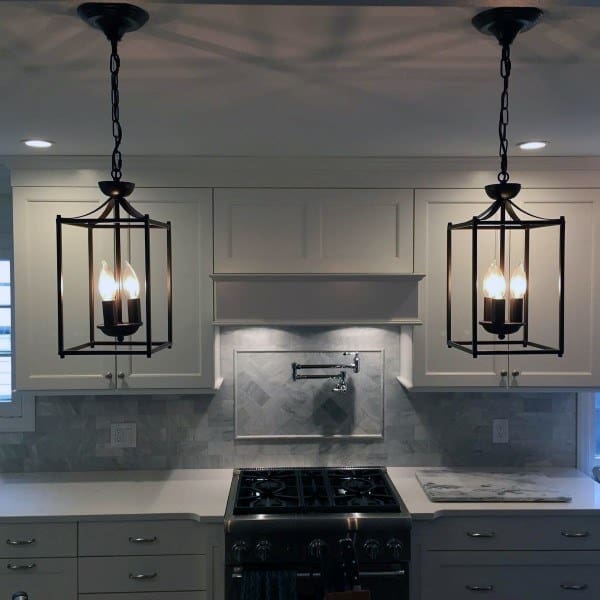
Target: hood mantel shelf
[{"x": 316, "y": 298}]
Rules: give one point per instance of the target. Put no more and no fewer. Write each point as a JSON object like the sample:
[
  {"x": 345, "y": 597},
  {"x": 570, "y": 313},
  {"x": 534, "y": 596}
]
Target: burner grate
[{"x": 314, "y": 490}]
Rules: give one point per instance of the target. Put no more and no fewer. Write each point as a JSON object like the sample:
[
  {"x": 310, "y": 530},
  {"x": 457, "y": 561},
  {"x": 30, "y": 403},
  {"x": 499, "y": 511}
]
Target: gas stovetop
[
  {"x": 285, "y": 516},
  {"x": 315, "y": 490}
]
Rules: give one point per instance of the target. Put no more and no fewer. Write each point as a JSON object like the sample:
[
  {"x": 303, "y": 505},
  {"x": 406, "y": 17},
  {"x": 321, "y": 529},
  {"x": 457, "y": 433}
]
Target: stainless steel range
[{"x": 318, "y": 524}]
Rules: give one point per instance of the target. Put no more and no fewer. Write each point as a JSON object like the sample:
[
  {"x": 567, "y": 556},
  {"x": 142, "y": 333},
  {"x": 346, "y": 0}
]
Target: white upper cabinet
[
  {"x": 435, "y": 365},
  {"x": 313, "y": 230},
  {"x": 579, "y": 367},
  {"x": 37, "y": 364},
  {"x": 188, "y": 365}
]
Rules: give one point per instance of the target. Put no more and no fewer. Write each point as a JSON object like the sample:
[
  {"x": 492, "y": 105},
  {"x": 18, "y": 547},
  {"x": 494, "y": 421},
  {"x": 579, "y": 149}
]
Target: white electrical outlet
[
  {"x": 500, "y": 431},
  {"x": 123, "y": 435}
]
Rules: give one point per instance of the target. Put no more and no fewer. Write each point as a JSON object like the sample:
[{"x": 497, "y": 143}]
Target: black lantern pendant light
[
  {"x": 510, "y": 321},
  {"x": 116, "y": 215}
]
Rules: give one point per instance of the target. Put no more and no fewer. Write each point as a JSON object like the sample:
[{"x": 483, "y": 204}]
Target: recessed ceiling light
[
  {"x": 534, "y": 145},
  {"x": 38, "y": 143}
]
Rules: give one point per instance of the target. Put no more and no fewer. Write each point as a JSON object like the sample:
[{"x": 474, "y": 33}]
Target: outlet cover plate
[
  {"x": 500, "y": 431},
  {"x": 123, "y": 435}
]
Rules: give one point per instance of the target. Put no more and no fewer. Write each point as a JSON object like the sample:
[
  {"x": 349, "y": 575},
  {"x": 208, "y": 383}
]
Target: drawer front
[
  {"x": 511, "y": 575},
  {"x": 38, "y": 539},
  {"x": 47, "y": 578},
  {"x": 142, "y": 574},
  {"x": 510, "y": 532},
  {"x": 195, "y": 595},
  {"x": 142, "y": 538}
]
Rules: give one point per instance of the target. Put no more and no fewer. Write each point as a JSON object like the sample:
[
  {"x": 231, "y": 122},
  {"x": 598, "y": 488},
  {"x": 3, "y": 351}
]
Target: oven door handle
[{"x": 304, "y": 574}]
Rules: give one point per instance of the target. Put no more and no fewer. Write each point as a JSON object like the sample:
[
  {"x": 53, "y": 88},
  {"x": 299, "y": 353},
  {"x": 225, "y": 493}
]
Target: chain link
[
  {"x": 115, "y": 64},
  {"x": 505, "y": 66}
]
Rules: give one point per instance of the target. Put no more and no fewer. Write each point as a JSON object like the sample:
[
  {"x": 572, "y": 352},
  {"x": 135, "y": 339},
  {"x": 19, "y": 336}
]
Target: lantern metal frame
[
  {"x": 116, "y": 214},
  {"x": 509, "y": 217},
  {"x": 503, "y": 215}
]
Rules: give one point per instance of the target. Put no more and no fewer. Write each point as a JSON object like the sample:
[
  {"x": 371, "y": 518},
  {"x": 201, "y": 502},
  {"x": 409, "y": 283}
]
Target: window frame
[
  {"x": 18, "y": 415},
  {"x": 586, "y": 432}
]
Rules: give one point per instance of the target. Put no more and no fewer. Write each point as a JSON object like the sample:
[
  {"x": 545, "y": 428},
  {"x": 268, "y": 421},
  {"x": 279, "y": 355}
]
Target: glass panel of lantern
[{"x": 511, "y": 272}]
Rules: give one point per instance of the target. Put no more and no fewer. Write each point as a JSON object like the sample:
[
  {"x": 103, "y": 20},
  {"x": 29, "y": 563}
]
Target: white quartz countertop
[
  {"x": 186, "y": 493},
  {"x": 584, "y": 491},
  {"x": 202, "y": 494}
]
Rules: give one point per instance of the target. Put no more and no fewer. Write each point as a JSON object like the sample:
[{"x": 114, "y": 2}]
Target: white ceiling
[{"x": 298, "y": 80}]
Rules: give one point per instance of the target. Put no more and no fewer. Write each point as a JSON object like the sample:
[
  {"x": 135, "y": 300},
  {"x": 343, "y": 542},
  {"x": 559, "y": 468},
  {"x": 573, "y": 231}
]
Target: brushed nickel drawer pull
[
  {"x": 26, "y": 542},
  {"x": 481, "y": 534},
  {"x": 143, "y": 575},
  {"x": 143, "y": 540},
  {"x": 575, "y": 534},
  {"x": 20, "y": 567},
  {"x": 573, "y": 587},
  {"x": 480, "y": 588}
]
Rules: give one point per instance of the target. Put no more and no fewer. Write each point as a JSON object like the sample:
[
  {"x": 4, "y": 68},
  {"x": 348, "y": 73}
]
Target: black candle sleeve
[
  {"x": 109, "y": 312},
  {"x": 515, "y": 310},
  {"x": 134, "y": 310},
  {"x": 494, "y": 310}
]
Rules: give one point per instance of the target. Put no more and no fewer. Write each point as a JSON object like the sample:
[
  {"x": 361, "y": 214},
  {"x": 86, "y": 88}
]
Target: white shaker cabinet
[
  {"x": 188, "y": 365},
  {"x": 435, "y": 365},
  {"x": 287, "y": 230}
]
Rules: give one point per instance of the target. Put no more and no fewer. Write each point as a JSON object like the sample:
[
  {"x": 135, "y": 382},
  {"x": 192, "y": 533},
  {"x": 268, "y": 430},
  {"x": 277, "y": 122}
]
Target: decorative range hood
[{"x": 316, "y": 299}]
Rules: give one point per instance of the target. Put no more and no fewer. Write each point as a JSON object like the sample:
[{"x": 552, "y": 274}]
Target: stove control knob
[
  {"x": 395, "y": 548},
  {"x": 316, "y": 547},
  {"x": 262, "y": 549},
  {"x": 372, "y": 548},
  {"x": 238, "y": 550}
]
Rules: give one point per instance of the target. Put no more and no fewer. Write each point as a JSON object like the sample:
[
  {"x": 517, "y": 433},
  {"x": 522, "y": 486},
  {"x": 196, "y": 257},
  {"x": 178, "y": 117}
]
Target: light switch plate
[
  {"x": 500, "y": 431},
  {"x": 123, "y": 435}
]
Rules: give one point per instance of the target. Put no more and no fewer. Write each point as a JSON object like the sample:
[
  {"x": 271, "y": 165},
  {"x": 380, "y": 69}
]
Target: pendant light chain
[
  {"x": 117, "y": 131},
  {"x": 505, "y": 66}
]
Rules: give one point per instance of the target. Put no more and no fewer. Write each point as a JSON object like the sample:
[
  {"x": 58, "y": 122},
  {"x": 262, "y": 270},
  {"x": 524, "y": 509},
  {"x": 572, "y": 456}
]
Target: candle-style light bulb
[
  {"x": 131, "y": 283},
  {"x": 107, "y": 286},
  {"x": 131, "y": 286},
  {"x": 518, "y": 283},
  {"x": 494, "y": 283}
]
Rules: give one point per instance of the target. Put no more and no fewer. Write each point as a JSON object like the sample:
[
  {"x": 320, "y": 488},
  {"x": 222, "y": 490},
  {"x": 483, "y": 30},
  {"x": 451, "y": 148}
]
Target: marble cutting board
[{"x": 467, "y": 485}]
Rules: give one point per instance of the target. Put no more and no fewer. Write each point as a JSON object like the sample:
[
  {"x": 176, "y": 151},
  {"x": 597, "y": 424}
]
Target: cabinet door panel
[
  {"x": 50, "y": 578},
  {"x": 511, "y": 575},
  {"x": 190, "y": 362},
  {"x": 38, "y": 365},
  {"x": 579, "y": 365},
  {"x": 434, "y": 363},
  {"x": 313, "y": 231}
]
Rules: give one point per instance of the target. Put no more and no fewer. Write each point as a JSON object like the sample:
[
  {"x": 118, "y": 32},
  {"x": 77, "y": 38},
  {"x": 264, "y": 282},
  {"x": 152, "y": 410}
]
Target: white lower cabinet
[
  {"x": 511, "y": 557},
  {"x": 188, "y": 365},
  {"x": 151, "y": 559}
]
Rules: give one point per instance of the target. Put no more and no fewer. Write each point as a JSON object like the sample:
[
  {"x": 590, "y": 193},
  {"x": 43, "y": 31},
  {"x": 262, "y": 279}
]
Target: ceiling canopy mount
[
  {"x": 112, "y": 18},
  {"x": 506, "y": 22}
]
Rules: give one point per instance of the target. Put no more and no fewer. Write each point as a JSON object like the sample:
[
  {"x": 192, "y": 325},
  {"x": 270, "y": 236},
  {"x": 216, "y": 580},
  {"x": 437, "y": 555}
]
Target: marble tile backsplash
[{"x": 73, "y": 432}]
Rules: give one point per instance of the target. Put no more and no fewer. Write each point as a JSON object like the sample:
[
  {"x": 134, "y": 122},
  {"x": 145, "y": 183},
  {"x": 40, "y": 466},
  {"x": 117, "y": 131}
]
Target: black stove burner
[
  {"x": 268, "y": 502},
  {"x": 270, "y": 487},
  {"x": 356, "y": 485},
  {"x": 290, "y": 490}
]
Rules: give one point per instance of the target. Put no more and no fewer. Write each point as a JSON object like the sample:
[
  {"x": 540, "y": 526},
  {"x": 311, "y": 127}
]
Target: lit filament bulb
[
  {"x": 131, "y": 283},
  {"x": 107, "y": 286},
  {"x": 518, "y": 283},
  {"x": 494, "y": 283}
]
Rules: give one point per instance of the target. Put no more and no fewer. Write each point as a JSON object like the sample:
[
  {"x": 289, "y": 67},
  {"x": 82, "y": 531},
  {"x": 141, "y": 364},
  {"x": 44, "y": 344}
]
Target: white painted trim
[
  {"x": 315, "y": 322},
  {"x": 313, "y": 276},
  {"x": 586, "y": 431},
  {"x": 306, "y": 172},
  {"x": 130, "y": 392},
  {"x": 24, "y": 418}
]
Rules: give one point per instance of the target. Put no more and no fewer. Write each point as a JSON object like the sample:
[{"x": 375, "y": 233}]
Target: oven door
[{"x": 389, "y": 582}]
